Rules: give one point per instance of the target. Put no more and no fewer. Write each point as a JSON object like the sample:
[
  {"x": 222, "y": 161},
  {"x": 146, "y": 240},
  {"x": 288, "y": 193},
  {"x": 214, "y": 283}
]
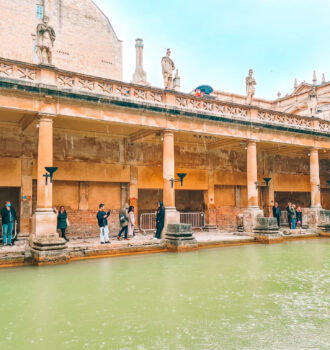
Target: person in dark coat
[
  {"x": 277, "y": 213},
  {"x": 160, "y": 220},
  {"x": 288, "y": 210},
  {"x": 62, "y": 222},
  {"x": 8, "y": 215}
]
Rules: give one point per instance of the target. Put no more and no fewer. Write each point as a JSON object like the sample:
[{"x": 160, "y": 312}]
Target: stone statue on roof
[
  {"x": 45, "y": 41},
  {"x": 250, "y": 87},
  {"x": 167, "y": 70},
  {"x": 312, "y": 102}
]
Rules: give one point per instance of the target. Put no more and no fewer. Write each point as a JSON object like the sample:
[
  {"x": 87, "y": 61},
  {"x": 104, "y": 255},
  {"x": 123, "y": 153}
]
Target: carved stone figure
[
  {"x": 312, "y": 102},
  {"x": 167, "y": 69},
  {"x": 45, "y": 41},
  {"x": 250, "y": 89}
]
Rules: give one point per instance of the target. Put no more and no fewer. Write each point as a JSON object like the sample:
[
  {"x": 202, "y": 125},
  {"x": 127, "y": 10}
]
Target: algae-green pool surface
[{"x": 246, "y": 297}]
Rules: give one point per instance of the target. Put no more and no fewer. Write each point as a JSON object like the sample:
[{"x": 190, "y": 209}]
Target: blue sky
[{"x": 215, "y": 42}]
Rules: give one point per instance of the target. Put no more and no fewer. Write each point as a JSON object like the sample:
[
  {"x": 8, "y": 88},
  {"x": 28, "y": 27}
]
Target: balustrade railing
[{"x": 115, "y": 89}]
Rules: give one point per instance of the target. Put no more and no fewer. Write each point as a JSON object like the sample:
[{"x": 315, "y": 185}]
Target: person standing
[
  {"x": 288, "y": 213},
  {"x": 131, "y": 221},
  {"x": 102, "y": 220},
  {"x": 8, "y": 215},
  {"x": 160, "y": 220},
  {"x": 277, "y": 213},
  {"x": 299, "y": 216},
  {"x": 293, "y": 215},
  {"x": 62, "y": 221},
  {"x": 123, "y": 220}
]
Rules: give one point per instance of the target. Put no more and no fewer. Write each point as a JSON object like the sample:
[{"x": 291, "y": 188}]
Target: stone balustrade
[{"x": 207, "y": 105}]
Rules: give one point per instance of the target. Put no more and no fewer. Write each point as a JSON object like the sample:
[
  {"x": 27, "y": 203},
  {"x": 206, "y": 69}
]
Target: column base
[
  {"x": 179, "y": 237},
  {"x": 323, "y": 225},
  {"x": 247, "y": 221},
  {"x": 210, "y": 228},
  {"x": 312, "y": 217},
  {"x": 44, "y": 222},
  {"x": 46, "y": 245},
  {"x": 172, "y": 216}
]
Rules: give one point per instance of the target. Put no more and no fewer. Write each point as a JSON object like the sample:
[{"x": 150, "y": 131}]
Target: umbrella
[{"x": 207, "y": 89}]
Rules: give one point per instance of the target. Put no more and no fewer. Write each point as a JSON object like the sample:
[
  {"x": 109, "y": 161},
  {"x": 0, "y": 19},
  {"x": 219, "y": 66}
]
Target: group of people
[
  {"x": 126, "y": 221},
  {"x": 8, "y": 216},
  {"x": 294, "y": 215}
]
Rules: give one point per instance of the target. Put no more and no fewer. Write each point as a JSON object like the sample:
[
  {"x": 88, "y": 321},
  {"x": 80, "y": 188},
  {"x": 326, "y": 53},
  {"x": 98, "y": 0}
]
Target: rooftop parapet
[{"x": 45, "y": 76}]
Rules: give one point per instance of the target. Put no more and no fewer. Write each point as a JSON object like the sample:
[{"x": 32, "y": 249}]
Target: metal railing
[
  {"x": 196, "y": 220},
  {"x": 148, "y": 222},
  {"x": 14, "y": 233}
]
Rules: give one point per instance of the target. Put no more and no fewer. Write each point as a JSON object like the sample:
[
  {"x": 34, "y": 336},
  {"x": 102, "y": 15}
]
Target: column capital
[
  {"x": 168, "y": 132},
  {"x": 314, "y": 149},
  {"x": 45, "y": 117},
  {"x": 252, "y": 141}
]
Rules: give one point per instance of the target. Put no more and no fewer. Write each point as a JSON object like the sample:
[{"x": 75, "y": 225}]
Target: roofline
[{"x": 108, "y": 20}]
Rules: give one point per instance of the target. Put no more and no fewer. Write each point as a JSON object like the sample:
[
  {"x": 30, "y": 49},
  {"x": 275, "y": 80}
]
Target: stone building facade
[
  {"x": 115, "y": 142},
  {"x": 85, "y": 40}
]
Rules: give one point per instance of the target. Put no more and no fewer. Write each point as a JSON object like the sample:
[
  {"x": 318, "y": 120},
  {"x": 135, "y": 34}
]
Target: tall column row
[{"x": 45, "y": 158}]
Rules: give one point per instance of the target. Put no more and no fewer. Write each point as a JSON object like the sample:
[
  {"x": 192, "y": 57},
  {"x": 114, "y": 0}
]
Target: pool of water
[{"x": 247, "y": 297}]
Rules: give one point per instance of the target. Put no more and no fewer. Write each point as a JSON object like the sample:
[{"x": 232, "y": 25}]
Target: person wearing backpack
[{"x": 123, "y": 220}]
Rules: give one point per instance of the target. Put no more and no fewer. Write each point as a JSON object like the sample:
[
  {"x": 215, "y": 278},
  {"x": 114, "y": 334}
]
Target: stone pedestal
[
  {"x": 172, "y": 216},
  {"x": 312, "y": 217},
  {"x": 266, "y": 230},
  {"x": 247, "y": 222},
  {"x": 179, "y": 237},
  {"x": 46, "y": 245},
  {"x": 210, "y": 228},
  {"x": 324, "y": 223}
]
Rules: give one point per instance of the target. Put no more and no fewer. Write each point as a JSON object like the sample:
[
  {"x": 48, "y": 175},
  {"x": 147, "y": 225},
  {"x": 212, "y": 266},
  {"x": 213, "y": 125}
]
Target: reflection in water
[{"x": 250, "y": 297}]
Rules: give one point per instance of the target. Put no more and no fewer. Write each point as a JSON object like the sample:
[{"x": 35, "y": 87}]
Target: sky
[{"x": 216, "y": 42}]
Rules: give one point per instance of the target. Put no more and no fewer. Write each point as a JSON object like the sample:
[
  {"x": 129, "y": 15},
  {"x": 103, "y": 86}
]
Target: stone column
[
  {"x": 134, "y": 193},
  {"x": 123, "y": 194},
  {"x": 26, "y": 196},
  {"x": 252, "y": 175},
  {"x": 45, "y": 158},
  {"x": 172, "y": 216},
  {"x": 209, "y": 200},
  {"x": 46, "y": 245},
  {"x": 315, "y": 179},
  {"x": 83, "y": 195}
]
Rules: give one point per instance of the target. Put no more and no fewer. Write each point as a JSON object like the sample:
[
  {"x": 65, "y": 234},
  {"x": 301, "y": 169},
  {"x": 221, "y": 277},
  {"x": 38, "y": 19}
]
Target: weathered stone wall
[
  {"x": 83, "y": 223},
  {"x": 85, "y": 40},
  {"x": 93, "y": 170}
]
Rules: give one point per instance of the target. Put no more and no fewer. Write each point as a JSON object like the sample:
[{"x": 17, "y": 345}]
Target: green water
[{"x": 248, "y": 297}]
